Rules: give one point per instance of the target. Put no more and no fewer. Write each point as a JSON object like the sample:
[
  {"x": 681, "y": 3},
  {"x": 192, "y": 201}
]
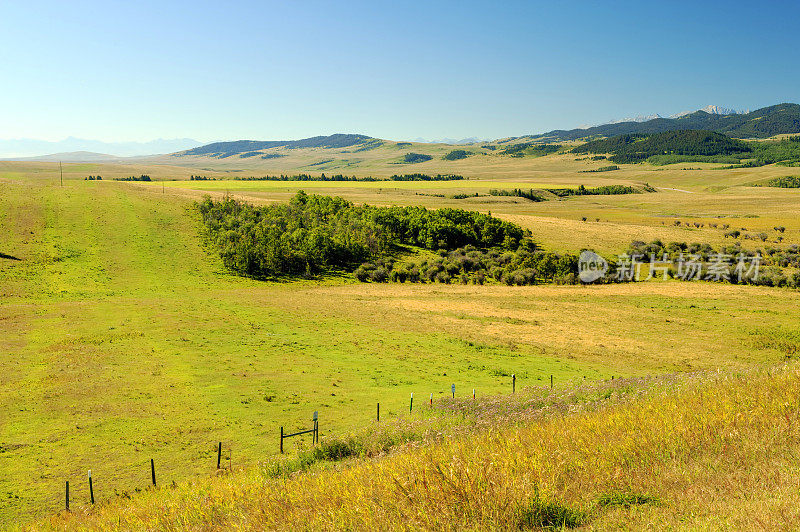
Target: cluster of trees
[
  {"x": 142, "y": 177},
  {"x": 201, "y": 178},
  {"x": 540, "y": 194},
  {"x": 609, "y": 168},
  {"x": 530, "y": 148},
  {"x": 661, "y": 160},
  {"x": 789, "y": 181},
  {"x": 784, "y": 151},
  {"x": 469, "y": 265},
  {"x": 93, "y": 178},
  {"x": 772, "y": 260},
  {"x": 636, "y": 148},
  {"x": 455, "y": 155},
  {"x": 604, "y": 190},
  {"x": 530, "y": 194},
  {"x": 313, "y": 233},
  {"x": 412, "y": 158}
]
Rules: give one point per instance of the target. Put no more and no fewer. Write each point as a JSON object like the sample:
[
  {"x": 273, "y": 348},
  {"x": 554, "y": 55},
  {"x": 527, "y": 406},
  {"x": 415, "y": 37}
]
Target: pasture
[{"x": 124, "y": 339}]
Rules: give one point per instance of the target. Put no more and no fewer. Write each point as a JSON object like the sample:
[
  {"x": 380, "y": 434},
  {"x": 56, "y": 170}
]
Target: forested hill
[
  {"x": 762, "y": 123},
  {"x": 637, "y": 148},
  {"x": 238, "y": 147}
]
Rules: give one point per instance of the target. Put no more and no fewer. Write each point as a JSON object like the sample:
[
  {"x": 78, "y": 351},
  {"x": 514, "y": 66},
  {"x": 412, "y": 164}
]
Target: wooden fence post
[
  {"x": 514, "y": 383},
  {"x": 91, "y": 489},
  {"x": 411, "y": 404},
  {"x": 219, "y": 454},
  {"x": 551, "y": 381},
  {"x": 379, "y": 411},
  {"x": 153, "y": 471},
  {"x": 281, "y": 440},
  {"x": 67, "y": 498}
]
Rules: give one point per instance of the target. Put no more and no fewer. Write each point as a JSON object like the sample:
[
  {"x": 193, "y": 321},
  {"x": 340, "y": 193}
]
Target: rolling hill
[
  {"x": 247, "y": 147},
  {"x": 761, "y": 123}
]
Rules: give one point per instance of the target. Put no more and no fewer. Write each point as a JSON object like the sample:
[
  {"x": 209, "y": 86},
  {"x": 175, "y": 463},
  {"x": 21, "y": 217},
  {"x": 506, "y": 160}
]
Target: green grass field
[{"x": 124, "y": 339}]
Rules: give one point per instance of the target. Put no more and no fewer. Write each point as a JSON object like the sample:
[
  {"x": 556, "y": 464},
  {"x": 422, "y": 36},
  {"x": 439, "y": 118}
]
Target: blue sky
[{"x": 141, "y": 70}]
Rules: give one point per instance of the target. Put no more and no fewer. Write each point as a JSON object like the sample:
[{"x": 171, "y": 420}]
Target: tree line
[{"x": 541, "y": 194}]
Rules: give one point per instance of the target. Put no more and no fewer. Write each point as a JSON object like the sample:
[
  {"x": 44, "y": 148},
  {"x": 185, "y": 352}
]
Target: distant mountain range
[
  {"x": 447, "y": 140},
  {"x": 20, "y": 148},
  {"x": 762, "y": 123},
  {"x": 710, "y": 109}
]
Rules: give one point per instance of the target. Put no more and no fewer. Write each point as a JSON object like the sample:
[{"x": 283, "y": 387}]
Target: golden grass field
[
  {"x": 124, "y": 339},
  {"x": 705, "y": 451}
]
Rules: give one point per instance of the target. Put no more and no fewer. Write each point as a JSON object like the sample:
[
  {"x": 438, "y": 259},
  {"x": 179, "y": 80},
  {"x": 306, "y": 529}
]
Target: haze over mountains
[
  {"x": 761, "y": 123},
  {"x": 23, "y": 148}
]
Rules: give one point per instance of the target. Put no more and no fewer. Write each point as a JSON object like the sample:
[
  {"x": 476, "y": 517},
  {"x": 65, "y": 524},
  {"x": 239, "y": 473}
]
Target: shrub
[
  {"x": 443, "y": 277},
  {"x": 412, "y": 158},
  {"x": 379, "y": 275},
  {"x": 455, "y": 155}
]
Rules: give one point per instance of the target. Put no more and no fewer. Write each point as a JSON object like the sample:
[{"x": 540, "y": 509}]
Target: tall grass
[{"x": 685, "y": 452}]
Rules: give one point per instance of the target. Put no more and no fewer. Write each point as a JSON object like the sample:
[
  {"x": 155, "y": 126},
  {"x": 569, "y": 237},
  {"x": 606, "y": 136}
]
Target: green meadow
[{"x": 124, "y": 339}]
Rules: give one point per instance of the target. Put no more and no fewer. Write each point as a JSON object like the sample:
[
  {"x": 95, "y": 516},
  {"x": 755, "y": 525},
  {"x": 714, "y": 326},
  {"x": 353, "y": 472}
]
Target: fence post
[
  {"x": 473, "y": 394},
  {"x": 67, "y": 498},
  {"x": 281, "y": 440},
  {"x": 551, "y": 381},
  {"x": 453, "y": 390},
  {"x": 379, "y": 411},
  {"x": 514, "y": 383},
  {"x": 411, "y": 404},
  {"x": 219, "y": 454},
  {"x": 91, "y": 489},
  {"x": 153, "y": 471},
  {"x": 431, "y": 399}
]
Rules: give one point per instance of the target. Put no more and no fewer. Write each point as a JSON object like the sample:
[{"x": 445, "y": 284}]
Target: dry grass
[{"x": 703, "y": 451}]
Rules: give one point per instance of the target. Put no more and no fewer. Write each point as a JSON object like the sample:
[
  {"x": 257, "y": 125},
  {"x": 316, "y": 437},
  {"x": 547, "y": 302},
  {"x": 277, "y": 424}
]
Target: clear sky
[{"x": 228, "y": 70}]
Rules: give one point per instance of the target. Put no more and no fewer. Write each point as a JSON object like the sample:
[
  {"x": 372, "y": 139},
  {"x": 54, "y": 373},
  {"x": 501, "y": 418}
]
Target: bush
[
  {"x": 412, "y": 158},
  {"x": 455, "y": 155},
  {"x": 443, "y": 277},
  {"x": 379, "y": 275}
]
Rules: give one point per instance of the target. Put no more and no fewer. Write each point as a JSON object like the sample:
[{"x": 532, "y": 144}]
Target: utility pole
[{"x": 61, "y": 171}]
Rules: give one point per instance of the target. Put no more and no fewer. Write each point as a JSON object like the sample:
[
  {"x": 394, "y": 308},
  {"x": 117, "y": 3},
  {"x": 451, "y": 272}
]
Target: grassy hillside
[
  {"x": 703, "y": 451},
  {"x": 127, "y": 340}
]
